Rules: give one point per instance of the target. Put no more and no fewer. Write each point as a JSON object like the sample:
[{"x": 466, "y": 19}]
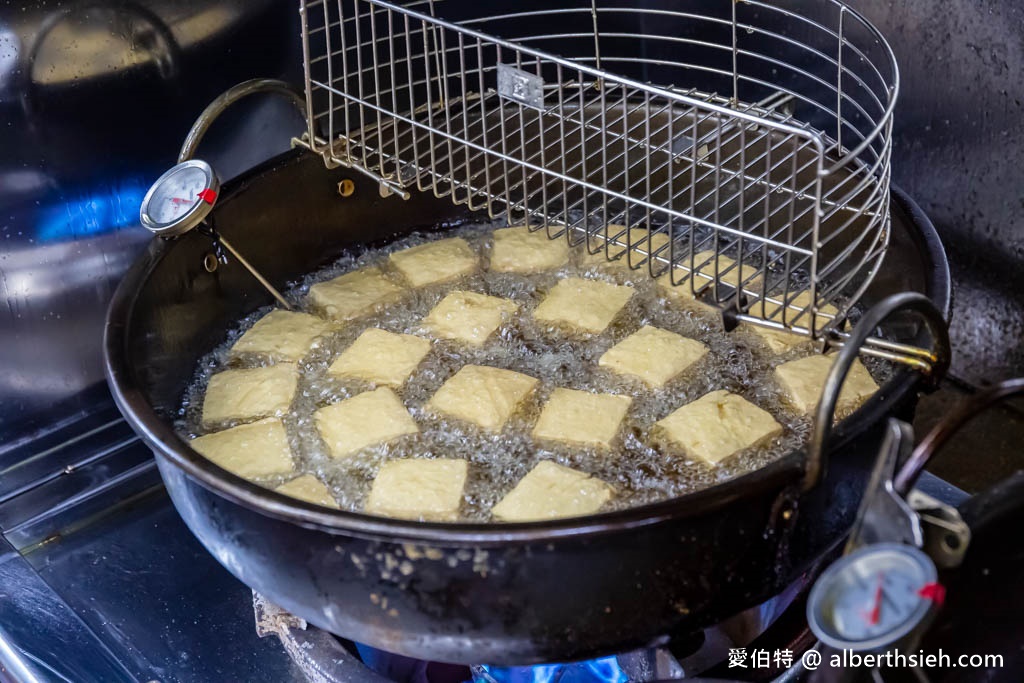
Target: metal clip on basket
[{"x": 740, "y": 147}]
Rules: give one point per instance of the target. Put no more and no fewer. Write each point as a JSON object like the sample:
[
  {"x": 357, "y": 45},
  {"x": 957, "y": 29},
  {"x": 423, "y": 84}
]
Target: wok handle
[
  {"x": 947, "y": 428},
  {"x": 229, "y": 97},
  {"x": 906, "y": 301}
]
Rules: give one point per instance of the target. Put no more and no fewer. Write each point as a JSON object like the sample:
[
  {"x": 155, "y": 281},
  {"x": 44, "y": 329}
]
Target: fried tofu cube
[
  {"x": 653, "y": 355},
  {"x": 803, "y": 379},
  {"x": 518, "y": 250},
  {"x": 468, "y": 317},
  {"x": 310, "y": 489},
  {"x": 434, "y": 262},
  {"x": 381, "y": 357},
  {"x": 704, "y": 264},
  {"x": 250, "y": 393},
  {"x": 354, "y": 294},
  {"x": 282, "y": 336},
  {"x": 484, "y": 396},
  {"x": 640, "y": 241},
  {"x": 364, "y": 420},
  {"x": 780, "y": 341},
  {"x": 581, "y": 418},
  {"x": 586, "y": 305},
  {"x": 418, "y": 489},
  {"x": 254, "y": 450},
  {"x": 717, "y": 426},
  {"x": 552, "y": 491}
]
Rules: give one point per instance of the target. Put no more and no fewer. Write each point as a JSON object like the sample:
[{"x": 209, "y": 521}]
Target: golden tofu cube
[
  {"x": 586, "y": 305},
  {"x": 354, "y": 294},
  {"x": 780, "y": 341},
  {"x": 552, "y": 491},
  {"x": 255, "y": 450},
  {"x": 468, "y": 317},
  {"x": 518, "y": 250},
  {"x": 381, "y": 357},
  {"x": 434, "y": 262},
  {"x": 310, "y": 489},
  {"x": 364, "y": 420},
  {"x": 640, "y": 241},
  {"x": 803, "y": 380},
  {"x": 418, "y": 489},
  {"x": 282, "y": 336},
  {"x": 581, "y": 418},
  {"x": 653, "y": 355},
  {"x": 704, "y": 264},
  {"x": 717, "y": 426},
  {"x": 250, "y": 393},
  {"x": 484, "y": 396}
]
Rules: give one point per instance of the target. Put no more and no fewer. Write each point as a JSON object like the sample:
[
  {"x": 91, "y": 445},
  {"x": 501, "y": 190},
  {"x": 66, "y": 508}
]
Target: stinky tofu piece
[
  {"x": 780, "y": 341},
  {"x": 518, "y": 250},
  {"x": 418, "y": 489},
  {"x": 803, "y": 379},
  {"x": 581, "y": 418},
  {"x": 381, "y": 357},
  {"x": 254, "y": 450},
  {"x": 433, "y": 262},
  {"x": 354, "y": 294},
  {"x": 704, "y": 262},
  {"x": 310, "y": 489},
  {"x": 282, "y": 336},
  {"x": 587, "y": 305},
  {"x": 468, "y": 317},
  {"x": 654, "y": 356},
  {"x": 483, "y": 395},
  {"x": 364, "y": 420},
  {"x": 552, "y": 491},
  {"x": 717, "y": 426},
  {"x": 250, "y": 393},
  {"x": 640, "y": 242}
]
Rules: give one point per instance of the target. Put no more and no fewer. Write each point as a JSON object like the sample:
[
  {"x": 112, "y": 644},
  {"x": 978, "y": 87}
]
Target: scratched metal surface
[
  {"x": 959, "y": 152},
  {"x": 95, "y": 100}
]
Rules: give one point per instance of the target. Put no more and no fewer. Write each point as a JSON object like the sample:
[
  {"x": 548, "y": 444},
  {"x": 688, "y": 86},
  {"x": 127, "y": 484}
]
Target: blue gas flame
[
  {"x": 601, "y": 670},
  {"x": 91, "y": 211}
]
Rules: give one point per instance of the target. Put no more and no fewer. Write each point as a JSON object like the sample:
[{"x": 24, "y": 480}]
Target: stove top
[{"x": 100, "y": 580}]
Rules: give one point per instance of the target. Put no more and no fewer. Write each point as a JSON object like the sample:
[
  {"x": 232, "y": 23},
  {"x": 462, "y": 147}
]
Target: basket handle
[
  {"x": 906, "y": 301},
  {"x": 229, "y": 97}
]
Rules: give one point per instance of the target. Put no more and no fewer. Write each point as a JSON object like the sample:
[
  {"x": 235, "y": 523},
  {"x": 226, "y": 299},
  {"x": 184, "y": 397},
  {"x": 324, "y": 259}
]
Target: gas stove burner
[{"x": 324, "y": 658}]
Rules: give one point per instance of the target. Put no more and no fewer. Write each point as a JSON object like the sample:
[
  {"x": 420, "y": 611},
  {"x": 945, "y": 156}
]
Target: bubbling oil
[{"x": 635, "y": 466}]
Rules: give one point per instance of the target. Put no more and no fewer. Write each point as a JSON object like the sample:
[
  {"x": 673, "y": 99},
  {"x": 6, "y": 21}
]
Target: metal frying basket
[{"x": 738, "y": 149}]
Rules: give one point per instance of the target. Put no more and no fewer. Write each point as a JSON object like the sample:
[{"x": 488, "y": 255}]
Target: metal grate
[{"x": 755, "y": 175}]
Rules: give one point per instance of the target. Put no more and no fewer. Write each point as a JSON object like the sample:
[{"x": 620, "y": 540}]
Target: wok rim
[{"x": 779, "y": 475}]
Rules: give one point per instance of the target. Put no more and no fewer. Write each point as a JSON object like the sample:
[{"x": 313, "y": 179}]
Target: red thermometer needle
[
  {"x": 876, "y": 611},
  {"x": 179, "y": 200}
]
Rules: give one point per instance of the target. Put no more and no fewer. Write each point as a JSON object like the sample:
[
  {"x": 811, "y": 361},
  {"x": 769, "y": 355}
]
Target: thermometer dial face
[
  {"x": 180, "y": 199},
  {"x": 872, "y": 598}
]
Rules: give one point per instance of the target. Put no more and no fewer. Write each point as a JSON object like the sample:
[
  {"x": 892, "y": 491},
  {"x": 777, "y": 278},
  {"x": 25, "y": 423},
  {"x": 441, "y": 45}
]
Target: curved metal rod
[
  {"x": 947, "y": 428},
  {"x": 906, "y": 301},
  {"x": 229, "y": 97},
  {"x": 167, "y": 63}
]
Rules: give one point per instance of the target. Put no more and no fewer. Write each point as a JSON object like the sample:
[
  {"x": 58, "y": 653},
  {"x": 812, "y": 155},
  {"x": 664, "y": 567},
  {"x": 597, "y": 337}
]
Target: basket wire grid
[{"x": 755, "y": 174}]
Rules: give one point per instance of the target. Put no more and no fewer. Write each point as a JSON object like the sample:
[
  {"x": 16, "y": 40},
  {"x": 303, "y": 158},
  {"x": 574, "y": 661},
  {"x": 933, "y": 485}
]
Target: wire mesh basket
[{"x": 739, "y": 149}]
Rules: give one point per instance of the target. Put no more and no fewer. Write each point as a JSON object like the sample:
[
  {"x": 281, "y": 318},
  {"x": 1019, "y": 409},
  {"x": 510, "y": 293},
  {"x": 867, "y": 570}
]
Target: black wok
[{"x": 468, "y": 593}]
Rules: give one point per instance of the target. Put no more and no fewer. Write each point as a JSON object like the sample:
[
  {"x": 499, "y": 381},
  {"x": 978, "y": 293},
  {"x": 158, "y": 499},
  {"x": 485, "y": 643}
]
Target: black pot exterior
[{"x": 467, "y": 593}]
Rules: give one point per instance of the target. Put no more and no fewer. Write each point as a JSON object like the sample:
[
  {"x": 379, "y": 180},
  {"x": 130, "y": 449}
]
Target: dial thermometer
[
  {"x": 181, "y": 200},
  {"x": 880, "y": 596}
]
